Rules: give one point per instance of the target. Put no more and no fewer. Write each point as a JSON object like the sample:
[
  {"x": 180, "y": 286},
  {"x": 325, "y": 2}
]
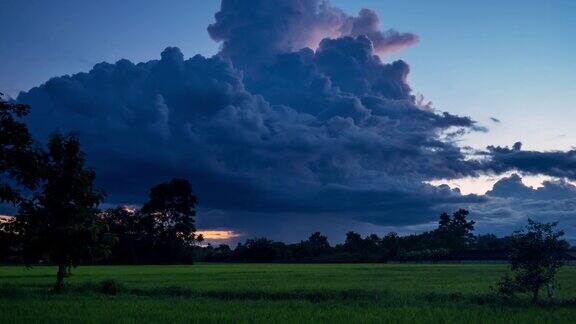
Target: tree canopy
[
  {"x": 17, "y": 155},
  {"x": 162, "y": 231}
]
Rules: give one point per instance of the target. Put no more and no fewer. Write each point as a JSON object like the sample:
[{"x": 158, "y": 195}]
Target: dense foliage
[{"x": 536, "y": 255}]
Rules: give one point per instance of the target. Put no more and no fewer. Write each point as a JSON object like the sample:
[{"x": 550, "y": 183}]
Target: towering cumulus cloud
[
  {"x": 367, "y": 23},
  {"x": 253, "y": 32},
  {"x": 298, "y": 117}
]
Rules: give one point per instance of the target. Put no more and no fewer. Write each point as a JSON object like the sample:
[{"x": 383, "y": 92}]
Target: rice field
[{"x": 276, "y": 293}]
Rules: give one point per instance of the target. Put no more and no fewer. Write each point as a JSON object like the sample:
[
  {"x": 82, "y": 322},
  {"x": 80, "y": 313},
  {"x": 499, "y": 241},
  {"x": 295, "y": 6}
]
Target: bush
[
  {"x": 110, "y": 287},
  {"x": 535, "y": 257},
  {"x": 506, "y": 287}
]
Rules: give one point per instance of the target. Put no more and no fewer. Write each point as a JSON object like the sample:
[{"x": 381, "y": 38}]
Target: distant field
[{"x": 272, "y": 293}]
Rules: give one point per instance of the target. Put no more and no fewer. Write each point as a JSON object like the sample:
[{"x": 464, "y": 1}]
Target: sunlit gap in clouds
[
  {"x": 482, "y": 184},
  {"x": 5, "y": 219}
]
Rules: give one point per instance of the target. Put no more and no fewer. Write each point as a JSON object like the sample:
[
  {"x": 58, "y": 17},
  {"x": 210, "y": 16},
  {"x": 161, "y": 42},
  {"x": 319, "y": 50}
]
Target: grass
[{"x": 273, "y": 293}]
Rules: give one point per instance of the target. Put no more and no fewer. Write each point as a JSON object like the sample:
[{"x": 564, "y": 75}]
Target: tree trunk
[
  {"x": 60, "y": 278},
  {"x": 551, "y": 289},
  {"x": 535, "y": 295}
]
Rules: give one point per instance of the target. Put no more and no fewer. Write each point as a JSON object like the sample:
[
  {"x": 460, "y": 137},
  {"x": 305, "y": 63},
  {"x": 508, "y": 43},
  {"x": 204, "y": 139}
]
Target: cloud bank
[
  {"x": 297, "y": 122},
  {"x": 510, "y": 203}
]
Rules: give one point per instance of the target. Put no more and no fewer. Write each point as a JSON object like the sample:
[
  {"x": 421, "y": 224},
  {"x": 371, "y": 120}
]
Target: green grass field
[{"x": 273, "y": 293}]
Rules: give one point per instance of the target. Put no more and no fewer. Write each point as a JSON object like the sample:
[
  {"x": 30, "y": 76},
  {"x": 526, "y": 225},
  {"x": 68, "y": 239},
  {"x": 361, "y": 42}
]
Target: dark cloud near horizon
[
  {"x": 297, "y": 117},
  {"x": 560, "y": 164}
]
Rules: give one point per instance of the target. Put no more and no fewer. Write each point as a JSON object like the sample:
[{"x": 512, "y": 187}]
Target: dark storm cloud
[
  {"x": 561, "y": 164},
  {"x": 142, "y": 123},
  {"x": 283, "y": 124}
]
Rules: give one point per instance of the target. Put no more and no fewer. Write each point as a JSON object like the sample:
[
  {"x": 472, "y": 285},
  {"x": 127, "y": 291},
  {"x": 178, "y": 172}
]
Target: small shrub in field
[
  {"x": 535, "y": 258},
  {"x": 110, "y": 287}
]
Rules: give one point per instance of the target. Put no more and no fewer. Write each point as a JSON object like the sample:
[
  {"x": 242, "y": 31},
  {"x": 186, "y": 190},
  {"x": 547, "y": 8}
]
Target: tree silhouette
[
  {"x": 390, "y": 244},
  {"x": 162, "y": 231},
  {"x": 126, "y": 225},
  {"x": 60, "y": 221},
  {"x": 260, "y": 250},
  {"x": 316, "y": 245},
  {"x": 455, "y": 233},
  {"x": 168, "y": 219}
]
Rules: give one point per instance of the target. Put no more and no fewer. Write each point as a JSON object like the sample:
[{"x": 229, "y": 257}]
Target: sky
[{"x": 504, "y": 71}]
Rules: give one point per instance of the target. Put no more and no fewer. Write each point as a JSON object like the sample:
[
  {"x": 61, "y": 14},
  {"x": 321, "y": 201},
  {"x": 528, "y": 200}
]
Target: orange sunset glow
[
  {"x": 218, "y": 234},
  {"x": 5, "y": 219}
]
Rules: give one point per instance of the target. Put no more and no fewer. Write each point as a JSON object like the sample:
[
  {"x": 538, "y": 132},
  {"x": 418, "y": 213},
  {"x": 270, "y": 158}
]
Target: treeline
[
  {"x": 451, "y": 240},
  {"x": 162, "y": 232}
]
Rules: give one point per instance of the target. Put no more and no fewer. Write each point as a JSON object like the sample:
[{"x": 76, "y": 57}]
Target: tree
[
  {"x": 60, "y": 221},
  {"x": 169, "y": 220},
  {"x": 390, "y": 245},
  {"x": 162, "y": 231},
  {"x": 17, "y": 156},
  {"x": 315, "y": 246},
  {"x": 444, "y": 222},
  {"x": 535, "y": 256},
  {"x": 260, "y": 250},
  {"x": 353, "y": 242},
  {"x": 125, "y": 223},
  {"x": 455, "y": 233}
]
